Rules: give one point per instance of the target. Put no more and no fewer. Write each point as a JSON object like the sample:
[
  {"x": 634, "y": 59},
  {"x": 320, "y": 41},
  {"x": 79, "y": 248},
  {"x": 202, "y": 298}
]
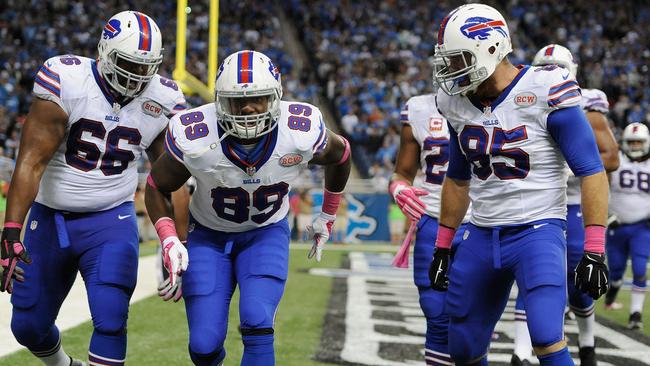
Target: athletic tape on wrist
[
  {"x": 165, "y": 228},
  {"x": 595, "y": 239},
  {"x": 331, "y": 202},
  {"x": 13, "y": 225},
  {"x": 445, "y": 237}
]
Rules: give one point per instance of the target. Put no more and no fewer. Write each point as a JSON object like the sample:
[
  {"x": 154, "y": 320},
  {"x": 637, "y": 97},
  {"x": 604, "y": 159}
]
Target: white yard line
[{"x": 75, "y": 308}]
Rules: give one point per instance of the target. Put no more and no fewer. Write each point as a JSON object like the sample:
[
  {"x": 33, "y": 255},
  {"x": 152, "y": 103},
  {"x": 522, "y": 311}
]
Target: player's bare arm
[
  {"x": 336, "y": 158},
  {"x": 406, "y": 166},
  {"x": 167, "y": 175},
  {"x": 180, "y": 198},
  {"x": 43, "y": 132},
  {"x": 605, "y": 139},
  {"x": 454, "y": 202},
  {"x": 42, "y": 135}
]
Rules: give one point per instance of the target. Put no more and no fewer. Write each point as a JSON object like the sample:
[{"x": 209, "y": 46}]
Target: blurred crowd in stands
[
  {"x": 367, "y": 57},
  {"x": 371, "y": 56}
]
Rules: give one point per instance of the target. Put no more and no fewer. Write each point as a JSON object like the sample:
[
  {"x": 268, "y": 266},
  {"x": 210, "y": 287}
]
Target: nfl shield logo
[{"x": 250, "y": 170}]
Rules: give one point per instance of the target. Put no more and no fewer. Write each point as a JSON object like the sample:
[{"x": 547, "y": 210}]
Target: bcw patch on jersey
[
  {"x": 525, "y": 99},
  {"x": 435, "y": 124},
  {"x": 152, "y": 108},
  {"x": 290, "y": 159}
]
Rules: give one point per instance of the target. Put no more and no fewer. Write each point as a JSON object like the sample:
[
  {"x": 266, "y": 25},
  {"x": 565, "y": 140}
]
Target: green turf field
[{"x": 158, "y": 330}]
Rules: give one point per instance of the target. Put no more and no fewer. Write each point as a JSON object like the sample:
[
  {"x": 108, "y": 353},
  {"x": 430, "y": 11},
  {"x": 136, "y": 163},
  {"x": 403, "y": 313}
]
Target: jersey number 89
[{"x": 233, "y": 204}]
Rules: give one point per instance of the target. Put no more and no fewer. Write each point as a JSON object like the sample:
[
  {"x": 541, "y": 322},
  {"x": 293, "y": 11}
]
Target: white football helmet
[
  {"x": 247, "y": 74},
  {"x": 472, "y": 40},
  {"x": 554, "y": 54},
  {"x": 130, "y": 40},
  {"x": 636, "y": 132}
]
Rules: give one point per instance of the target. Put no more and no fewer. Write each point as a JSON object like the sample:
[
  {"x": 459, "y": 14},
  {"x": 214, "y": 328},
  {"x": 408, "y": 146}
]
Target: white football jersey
[
  {"x": 593, "y": 100},
  {"x": 234, "y": 193},
  {"x": 95, "y": 169},
  {"x": 517, "y": 168},
  {"x": 431, "y": 132},
  {"x": 629, "y": 197}
]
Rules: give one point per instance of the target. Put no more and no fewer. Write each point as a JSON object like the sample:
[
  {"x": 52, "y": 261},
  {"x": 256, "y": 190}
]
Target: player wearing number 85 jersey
[
  {"x": 90, "y": 122},
  {"x": 511, "y": 129},
  {"x": 244, "y": 150}
]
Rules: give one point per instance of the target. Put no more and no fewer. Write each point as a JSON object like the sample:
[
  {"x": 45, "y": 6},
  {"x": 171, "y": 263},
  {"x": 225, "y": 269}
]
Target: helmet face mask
[
  {"x": 247, "y": 95},
  {"x": 248, "y": 117},
  {"x": 130, "y": 52},
  {"x": 472, "y": 40},
  {"x": 456, "y": 71},
  {"x": 636, "y": 140}
]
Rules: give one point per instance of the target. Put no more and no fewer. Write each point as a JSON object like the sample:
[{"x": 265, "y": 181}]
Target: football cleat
[
  {"x": 587, "y": 356},
  {"x": 75, "y": 362},
  {"x": 516, "y": 361},
  {"x": 635, "y": 322},
  {"x": 613, "y": 306}
]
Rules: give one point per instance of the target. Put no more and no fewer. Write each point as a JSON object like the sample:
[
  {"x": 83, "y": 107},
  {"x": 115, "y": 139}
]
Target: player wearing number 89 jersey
[
  {"x": 91, "y": 120},
  {"x": 511, "y": 129},
  {"x": 244, "y": 150},
  {"x": 425, "y": 134}
]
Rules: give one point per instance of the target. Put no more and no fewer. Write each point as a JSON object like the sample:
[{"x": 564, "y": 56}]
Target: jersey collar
[
  {"x": 249, "y": 161},
  {"x": 103, "y": 86}
]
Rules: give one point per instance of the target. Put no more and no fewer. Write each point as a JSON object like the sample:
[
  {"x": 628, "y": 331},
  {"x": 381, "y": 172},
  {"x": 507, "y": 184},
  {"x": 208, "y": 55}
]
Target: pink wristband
[
  {"x": 151, "y": 182},
  {"x": 346, "y": 152},
  {"x": 445, "y": 237},
  {"x": 165, "y": 228},
  {"x": 595, "y": 239},
  {"x": 13, "y": 225},
  {"x": 331, "y": 202}
]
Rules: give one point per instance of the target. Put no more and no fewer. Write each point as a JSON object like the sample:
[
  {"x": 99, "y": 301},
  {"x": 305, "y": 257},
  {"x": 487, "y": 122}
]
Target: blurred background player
[
  {"x": 595, "y": 105},
  {"x": 244, "y": 151},
  {"x": 629, "y": 235},
  {"x": 424, "y": 144},
  {"x": 89, "y": 123},
  {"x": 512, "y": 129}
]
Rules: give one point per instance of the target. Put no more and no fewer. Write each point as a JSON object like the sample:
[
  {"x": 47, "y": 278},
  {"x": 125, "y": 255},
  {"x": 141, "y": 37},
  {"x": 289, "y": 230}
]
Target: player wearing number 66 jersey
[
  {"x": 424, "y": 145},
  {"x": 90, "y": 122},
  {"x": 629, "y": 235},
  {"x": 511, "y": 129},
  {"x": 244, "y": 150}
]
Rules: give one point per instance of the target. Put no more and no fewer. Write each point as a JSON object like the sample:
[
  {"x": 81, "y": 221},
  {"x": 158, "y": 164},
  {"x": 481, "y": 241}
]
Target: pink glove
[{"x": 407, "y": 198}]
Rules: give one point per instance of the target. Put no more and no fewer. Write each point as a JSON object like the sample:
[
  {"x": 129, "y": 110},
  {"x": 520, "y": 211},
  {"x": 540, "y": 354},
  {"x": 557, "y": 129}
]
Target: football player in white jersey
[
  {"x": 629, "y": 235},
  {"x": 511, "y": 130},
  {"x": 244, "y": 150},
  {"x": 595, "y": 105},
  {"x": 90, "y": 122},
  {"x": 424, "y": 144}
]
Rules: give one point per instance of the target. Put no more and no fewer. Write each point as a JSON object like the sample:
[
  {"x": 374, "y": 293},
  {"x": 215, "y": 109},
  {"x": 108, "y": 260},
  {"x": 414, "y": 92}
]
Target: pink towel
[{"x": 401, "y": 259}]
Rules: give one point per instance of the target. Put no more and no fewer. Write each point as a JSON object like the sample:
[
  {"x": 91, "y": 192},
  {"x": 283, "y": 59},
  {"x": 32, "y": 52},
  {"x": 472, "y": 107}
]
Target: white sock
[
  {"x": 586, "y": 330},
  {"x": 523, "y": 344},
  {"x": 638, "y": 296},
  {"x": 60, "y": 358}
]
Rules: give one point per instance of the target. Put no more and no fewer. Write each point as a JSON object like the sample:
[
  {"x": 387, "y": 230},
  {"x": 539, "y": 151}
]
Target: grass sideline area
[{"x": 158, "y": 332}]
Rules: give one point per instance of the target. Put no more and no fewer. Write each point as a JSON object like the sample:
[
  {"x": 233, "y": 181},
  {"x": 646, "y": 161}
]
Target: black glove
[
  {"x": 592, "y": 275},
  {"x": 438, "y": 269},
  {"x": 12, "y": 250}
]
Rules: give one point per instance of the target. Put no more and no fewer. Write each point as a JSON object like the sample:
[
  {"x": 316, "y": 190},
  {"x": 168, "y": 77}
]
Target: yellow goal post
[{"x": 188, "y": 82}]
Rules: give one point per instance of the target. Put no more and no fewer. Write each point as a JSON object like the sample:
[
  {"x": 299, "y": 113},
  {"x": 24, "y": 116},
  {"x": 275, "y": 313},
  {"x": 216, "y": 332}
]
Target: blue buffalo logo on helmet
[
  {"x": 112, "y": 29},
  {"x": 480, "y": 28},
  {"x": 274, "y": 70}
]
